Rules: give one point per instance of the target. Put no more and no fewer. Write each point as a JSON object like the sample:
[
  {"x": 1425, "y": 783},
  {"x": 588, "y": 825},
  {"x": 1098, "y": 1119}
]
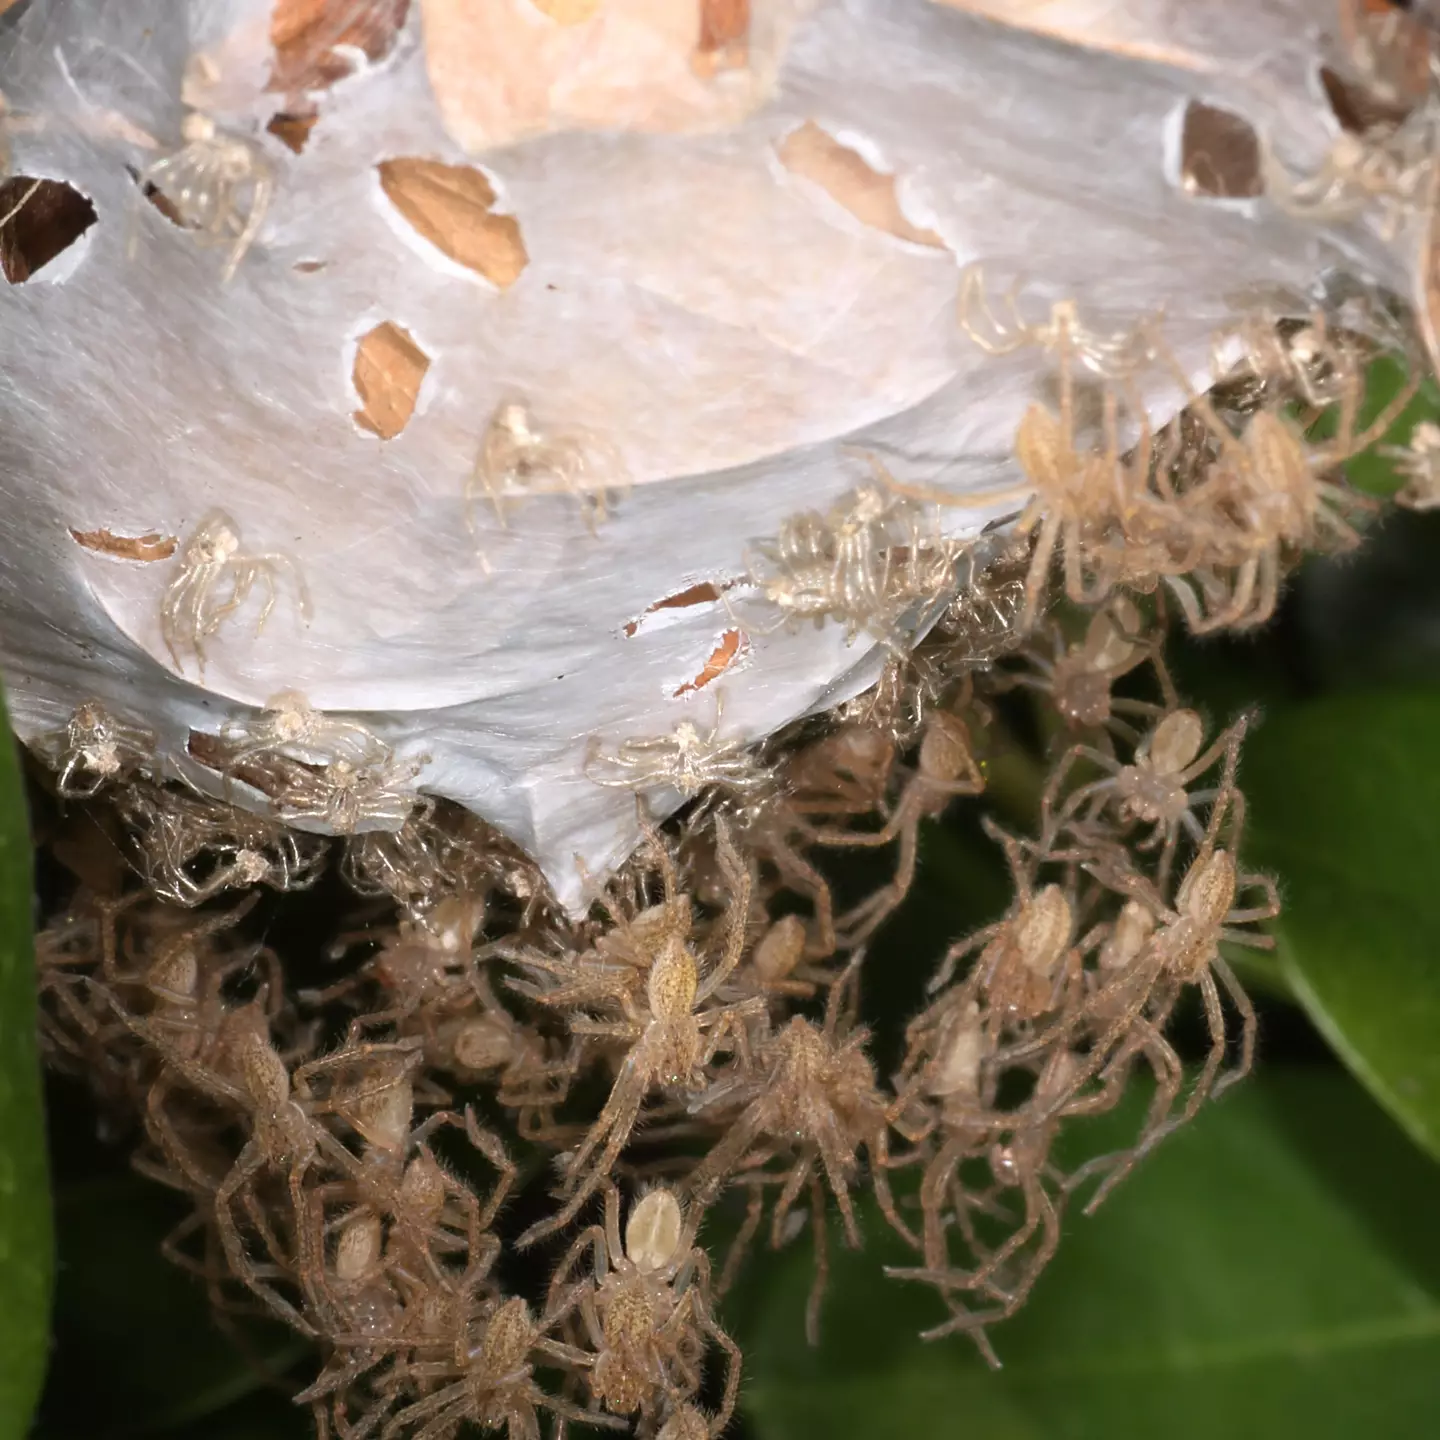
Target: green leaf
[
  {"x": 137, "y": 1349},
  {"x": 1345, "y": 809},
  {"x": 1273, "y": 1270},
  {"x": 1372, "y": 618},
  {"x": 25, "y": 1238},
  {"x": 1372, "y": 472}
]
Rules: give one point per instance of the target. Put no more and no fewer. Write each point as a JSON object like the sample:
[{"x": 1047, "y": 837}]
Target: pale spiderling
[
  {"x": 795, "y": 1120},
  {"x": 646, "y": 1309},
  {"x": 488, "y": 1379},
  {"x": 192, "y": 847},
  {"x": 1268, "y": 493},
  {"x": 863, "y": 563},
  {"x": 1309, "y": 360},
  {"x": 686, "y": 760},
  {"x": 290, "y": 726},
  {"x": 1110, "y": 355},
  {"x": 519, "y": 458},
  {"x": 348, "y": 797},
  {"x": 1419, "y": 463},
  {"x": 213, "y": 580},
  {"x": 1080, "y": 676},
  {"x": 92, "y": 748},
  {"x": 1184, "y": 950},
  {"x": 1390, "y": 167},
  {"x": 660, "y": 999},
  {"x": 216, "y": 185},
  {"x": 1153, "y": 789},
  {"x": 1078, "y": 489}
]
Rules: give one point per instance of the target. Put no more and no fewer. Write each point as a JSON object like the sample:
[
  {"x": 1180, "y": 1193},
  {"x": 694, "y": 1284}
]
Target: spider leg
[
  {"x": 819, "y": 1224},
  {"x": 261, "y": 189},
  {"x": 740, "y": 1245},
  {"x": 616, "y": 1121},
  {"x": 1038, "y": 576},
  {"x": 878, "y": 1146},
  {"x": 1248, "y": 1025}
]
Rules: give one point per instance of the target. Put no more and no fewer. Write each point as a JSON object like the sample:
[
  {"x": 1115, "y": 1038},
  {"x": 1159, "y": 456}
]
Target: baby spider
[
  {"x": 488, "y": 1379},
  {"x": 204, "y": 185},
  {"x": 863, "y": 563},
  {"x": 529, "y": 1073},
  {"x": 685, "y": 760},
  {"x": 646, "y": 1310},
  {"x": 1390, "y": 165},
  {"x": 92, "y": 749},
  {"x": 1267, "y": 495},
  {"x": 1153, "y": 789},
  {"x": 672, "y": 1028},
  {"x": 1419, "y": 463},
  {"x": 196, "y": 604},
  {"x": 1110, "y": 355},
  {"x": 347, "y": 796},
  {"x": 1184, "y": 949},
  {"x": 289, "y": 726},
  {"x": 192, "y": 848},
  {"x": 946, "y": 768},
  {"x": 1080, "y": 677},
  {"x": 1028, "y": 962},
  {"x": 517, "y": 458},
  {"x": 1284, "y": 359},
  {"x": 1018, "y": 1161},
  {"x": 1077, "y": 494},
  {"x": 797, "y": 1118}
]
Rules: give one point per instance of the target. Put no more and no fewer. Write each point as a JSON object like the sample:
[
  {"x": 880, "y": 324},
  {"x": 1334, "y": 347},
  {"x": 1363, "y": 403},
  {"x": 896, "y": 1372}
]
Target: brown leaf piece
[
  {"x": 724, "y": 36},
  {"x": 145, "y": 548},
  {"x": 721, "y": 658},
  {"x": 1219, "y": 154},
  {"x": 389, "y": 367},
  {"x": 702, "y": 594},
  {"x": 38, "y": 220},
  {"x": 815, "y": 155},
  {"x": 308, "y": 36},
  {"x": 450, "y": 206},
  {"x": 293, "y": 127}
]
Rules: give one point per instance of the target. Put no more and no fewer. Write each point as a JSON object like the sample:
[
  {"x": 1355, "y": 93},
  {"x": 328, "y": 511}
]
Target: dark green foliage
[
  {"x": 25, "y": 1240},
  {"x": 1346, "y": 808},
  {"x": 1273, "y": 1272}
]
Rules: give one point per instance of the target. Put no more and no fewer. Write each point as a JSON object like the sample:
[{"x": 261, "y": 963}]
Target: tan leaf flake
[
  {"x": 815, "y": 155},
  {"x": 450, "y": 206},
  {"x": 144, "y": 548},
  {"x": 389, "y": 367}
]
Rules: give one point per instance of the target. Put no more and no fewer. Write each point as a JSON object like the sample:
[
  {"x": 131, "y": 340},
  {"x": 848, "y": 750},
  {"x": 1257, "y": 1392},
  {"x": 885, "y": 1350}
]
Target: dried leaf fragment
[
  {"x": 724, "y": 36},
  {"x": 389, "y": 367},
  {"x": 721, "y": 659},
  {"x": 144, "y": 548},
  {"x": 703, "y": 593},
  {"x": 38, "y": 220},
  {"x": 450, "y": 206},
  {"x": 1219, "y": 154},
  {"x": 310, "y": 38},
  {"x": 292, "y": 127},
  {"x": 869, "y": 195}
]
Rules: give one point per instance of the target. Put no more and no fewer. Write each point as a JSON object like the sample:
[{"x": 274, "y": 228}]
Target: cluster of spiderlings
[
  {"x": 348, "y": 1145},
  {"x": 465, "y": 1072}
]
